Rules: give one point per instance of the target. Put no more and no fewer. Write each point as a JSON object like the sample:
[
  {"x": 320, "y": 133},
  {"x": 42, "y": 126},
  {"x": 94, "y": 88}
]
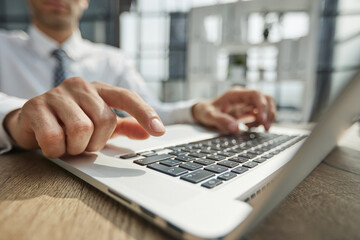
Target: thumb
[{"x": 130, "y": 128}]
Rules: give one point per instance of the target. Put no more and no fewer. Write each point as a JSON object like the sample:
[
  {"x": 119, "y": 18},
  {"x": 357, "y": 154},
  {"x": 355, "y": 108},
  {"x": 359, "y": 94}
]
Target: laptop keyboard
[{"x": 213, "y": 161}]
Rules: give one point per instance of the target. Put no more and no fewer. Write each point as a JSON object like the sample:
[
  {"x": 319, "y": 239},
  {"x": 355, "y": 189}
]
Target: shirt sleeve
[
  {"x": 7, "y": 104},
  {"x": 170, "y": 113}
]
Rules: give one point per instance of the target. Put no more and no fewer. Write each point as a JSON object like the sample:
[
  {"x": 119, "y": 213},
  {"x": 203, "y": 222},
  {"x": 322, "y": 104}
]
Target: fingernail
[
  {"x": 157, "y": 126},
  {"x": 233, "y": 127}
]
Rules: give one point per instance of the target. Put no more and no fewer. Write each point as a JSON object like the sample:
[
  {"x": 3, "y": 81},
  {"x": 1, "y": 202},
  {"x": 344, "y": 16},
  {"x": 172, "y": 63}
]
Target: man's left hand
[{"x": 235, "y": 105}]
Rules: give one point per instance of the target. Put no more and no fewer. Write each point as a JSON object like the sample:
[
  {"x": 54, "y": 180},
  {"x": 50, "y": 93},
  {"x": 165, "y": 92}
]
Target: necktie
[{"x": 59, "y": 74}]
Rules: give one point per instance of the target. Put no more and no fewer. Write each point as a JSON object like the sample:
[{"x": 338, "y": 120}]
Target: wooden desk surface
[{"x": 39, "y": 200}]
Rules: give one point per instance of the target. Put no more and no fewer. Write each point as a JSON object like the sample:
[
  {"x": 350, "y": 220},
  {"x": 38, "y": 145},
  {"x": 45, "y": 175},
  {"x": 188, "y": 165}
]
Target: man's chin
[{"x": 57, "y": 21}]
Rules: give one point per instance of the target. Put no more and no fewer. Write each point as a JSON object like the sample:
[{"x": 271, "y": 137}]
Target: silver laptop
[{"x": 194, "y": 183}]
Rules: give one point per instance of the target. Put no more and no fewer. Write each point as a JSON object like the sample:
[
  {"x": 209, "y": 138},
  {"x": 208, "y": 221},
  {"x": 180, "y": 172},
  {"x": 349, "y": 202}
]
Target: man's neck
[{"x": 57, "y": 35}]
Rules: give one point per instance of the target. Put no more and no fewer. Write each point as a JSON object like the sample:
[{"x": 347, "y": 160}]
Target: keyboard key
[
  {"x": 227, "y": 176},
  {"x": 216, "y": 157},
  {"x": 207, "y": 151},
  {"x": 216, "y": 148},
  {"x": 176, "y": 148},
  {"x": 153, "y": 159},
  {"x": 239, "y": 170},
  {"x": 178, "y": 153},
  {"x": 212, "y": 183},
  {"x": 267, "y": 156},
  {"x": 203, "y": 161},
  {"x": 255, "y": 151},
  {"x": 226, "y": 154},
  {"x": 239, "y": 159},
  {"x": 250, "y": 164},
  {"x": 148, "y": 154},
  {"x": 128, "y": 155},
  {"x": 275, "y": 152},
  {"x": 229, "y": 164},
  {"x": 197, "y": 176},
  {"x": 236, "y": 150},
  {"x": 185, "y": 158},
  {"x": 198, "y": 155},
  {"x": 247, "y": 155},
  {"x": 172, "y": 171},
  {"x": 170, "y": 162},
  {"x": 216, "y": 168},
  {"x": 260, "y": 160},
  {"x": 191, "y": 166}
]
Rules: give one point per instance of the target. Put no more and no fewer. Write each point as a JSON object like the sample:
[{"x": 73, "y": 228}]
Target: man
[{"x": 76, "y": 115}]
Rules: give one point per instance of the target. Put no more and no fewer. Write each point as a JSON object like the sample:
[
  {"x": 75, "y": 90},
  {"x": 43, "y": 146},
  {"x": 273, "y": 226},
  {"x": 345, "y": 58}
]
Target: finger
[
  {"x": 251, "y": 97},
  {"x": 132, "y": 103},
  {"x": 261, "y": 105},
  {"x": 102, "y": 117},
  {"x": 47, "y": 131},
  {"x": 271, "y": 111},
  {"x": 78, "y": 126},
  {"x": 252, "y": 125},
  {"x": 131, "y": 128},
  {"x": 223, "y": 121}
]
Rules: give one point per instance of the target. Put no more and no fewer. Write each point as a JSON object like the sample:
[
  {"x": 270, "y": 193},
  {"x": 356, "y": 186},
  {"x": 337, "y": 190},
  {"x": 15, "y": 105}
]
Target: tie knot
[{"x": 59, "y": 54}]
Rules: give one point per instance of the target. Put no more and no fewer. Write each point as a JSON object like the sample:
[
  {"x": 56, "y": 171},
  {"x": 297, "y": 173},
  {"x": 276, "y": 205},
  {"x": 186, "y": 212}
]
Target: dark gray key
[
  {"x": 153, "y": 159},
  {"x": 236, "y": 150},
  {"x": 185, "y": 158},
  {"x": 212, "y": 183},
  {"x": 260, "y": 160},
  {"x": 170, "y": 162},
  {"x": 255, "y": 151},
  {"x": 226, "y": 154},
  {"x": 204, "y": 161},
  {"x": 197, "y": 155},
  {"x": 207, "y": 151},
  {"x": 227, "y": 176},
  {"x": 191, "y": 166},
  {"x": 175, "y": 148},
  {"x": 216, "y": 157},
  {"x": 148, "y": 154},
  {"x": 172, "y": 171},
  {"x": 216, "y": 168},
  {"x": 247, "y": 155},
  {"x": 239, "y": 159},
  {"x": 275, "y": 152},
  {"x": 128, "y": 155},
  {"x": 197, "y": 176},
  {"x": 239, "y": 170},
  {"x": 229, "y": 164},
  {"x": 178, "y": 153},
  {"x": 250, "y": 164}
]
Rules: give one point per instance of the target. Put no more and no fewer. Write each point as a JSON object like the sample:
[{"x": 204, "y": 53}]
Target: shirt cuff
[
  {"x": 7, "y": 104},
  {"x": 175, "y": 113}
]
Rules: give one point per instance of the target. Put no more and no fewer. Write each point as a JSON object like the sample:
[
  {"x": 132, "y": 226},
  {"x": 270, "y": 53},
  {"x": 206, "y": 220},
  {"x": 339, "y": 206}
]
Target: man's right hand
[{"x": 76, "y": 116}]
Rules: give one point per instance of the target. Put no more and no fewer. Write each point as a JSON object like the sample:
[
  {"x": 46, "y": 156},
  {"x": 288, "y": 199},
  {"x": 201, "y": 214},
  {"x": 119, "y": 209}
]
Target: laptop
[{"x": 197, "y": 184}]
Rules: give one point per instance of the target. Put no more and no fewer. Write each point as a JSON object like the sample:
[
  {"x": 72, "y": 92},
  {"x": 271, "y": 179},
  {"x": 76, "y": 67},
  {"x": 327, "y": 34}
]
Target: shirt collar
[{"x": 44, "y": 45}]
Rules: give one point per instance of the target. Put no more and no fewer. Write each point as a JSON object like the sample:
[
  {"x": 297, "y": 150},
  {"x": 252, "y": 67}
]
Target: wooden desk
[{"x": 39, "y": 200}]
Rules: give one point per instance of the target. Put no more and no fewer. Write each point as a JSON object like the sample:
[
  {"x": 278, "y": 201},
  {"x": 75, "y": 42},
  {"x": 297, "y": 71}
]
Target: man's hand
[
  {"x": 76, "y": 116},
  {"x": 238, "y": 103}
]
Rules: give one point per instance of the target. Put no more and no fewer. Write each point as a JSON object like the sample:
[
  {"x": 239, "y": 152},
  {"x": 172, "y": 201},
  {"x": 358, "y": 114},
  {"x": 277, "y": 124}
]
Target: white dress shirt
[{"x": 27, "y": 70}]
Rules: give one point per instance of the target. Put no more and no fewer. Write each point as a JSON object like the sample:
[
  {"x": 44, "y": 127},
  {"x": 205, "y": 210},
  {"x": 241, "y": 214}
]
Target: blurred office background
[{"x": 301, "y": 52}]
